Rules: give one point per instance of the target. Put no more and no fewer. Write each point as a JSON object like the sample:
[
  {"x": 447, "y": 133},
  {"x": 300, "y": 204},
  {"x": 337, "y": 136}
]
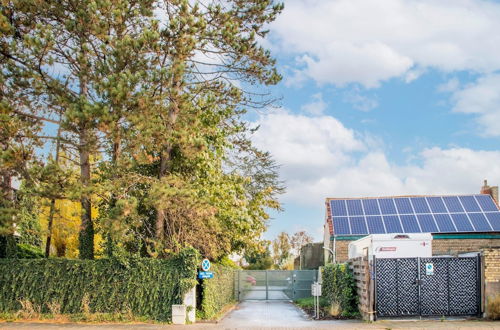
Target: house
[{"x": 458, "y": 223}]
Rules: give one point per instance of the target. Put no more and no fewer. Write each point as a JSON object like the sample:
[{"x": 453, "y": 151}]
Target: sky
[{"x": 381, "y": 98}]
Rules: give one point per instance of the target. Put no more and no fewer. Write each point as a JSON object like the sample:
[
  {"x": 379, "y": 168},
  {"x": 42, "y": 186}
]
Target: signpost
[
  {"x": 429, "y": 269},
  {"x": 205, "y": 266},
  {"x": 205, "y": 275},
  {"x": 316, "y": 293}
]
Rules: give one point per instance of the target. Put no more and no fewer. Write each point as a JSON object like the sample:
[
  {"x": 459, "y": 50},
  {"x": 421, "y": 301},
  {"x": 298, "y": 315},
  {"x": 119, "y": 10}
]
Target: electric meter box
[{"x": 392, "y": 246}]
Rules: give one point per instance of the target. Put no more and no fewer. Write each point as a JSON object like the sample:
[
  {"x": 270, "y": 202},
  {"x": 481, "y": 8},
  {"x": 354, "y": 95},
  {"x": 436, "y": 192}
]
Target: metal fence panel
[
  {"x": 406, "y": 286},
  {"x": 434, "y": 291},
  {"x": 274, "y": 284},
  {"x": 397, "y": 287},
  {"x": 465, "y": 290}
]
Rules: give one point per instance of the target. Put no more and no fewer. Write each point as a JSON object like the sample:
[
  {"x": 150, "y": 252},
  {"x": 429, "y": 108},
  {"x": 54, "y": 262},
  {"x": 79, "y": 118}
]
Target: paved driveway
[{"x": 266, "y": 314}]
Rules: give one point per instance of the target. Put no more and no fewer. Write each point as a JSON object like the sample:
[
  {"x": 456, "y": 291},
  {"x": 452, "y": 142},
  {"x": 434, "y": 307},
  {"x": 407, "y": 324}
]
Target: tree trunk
[
  {"x": 166, "y": 154},
  {"x": 53, "y": 200},
  {"x": 86, "y": 237},
  {"x": 49, "y": 227}
]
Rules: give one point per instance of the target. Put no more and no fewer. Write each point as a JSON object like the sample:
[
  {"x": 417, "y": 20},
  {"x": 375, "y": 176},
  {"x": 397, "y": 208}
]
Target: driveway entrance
[{"x": 275, "y": 284}]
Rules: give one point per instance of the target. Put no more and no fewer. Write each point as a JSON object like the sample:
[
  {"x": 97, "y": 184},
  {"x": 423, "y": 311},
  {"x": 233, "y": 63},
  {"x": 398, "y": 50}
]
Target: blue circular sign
[{"x": 205, "y": 265}]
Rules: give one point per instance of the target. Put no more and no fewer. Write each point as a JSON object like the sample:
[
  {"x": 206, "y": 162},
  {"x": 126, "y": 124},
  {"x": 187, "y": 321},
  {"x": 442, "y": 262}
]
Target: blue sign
[
  {"x": 429, "y": 269},
  {"x": 205, "y": 265},
  {"x": 204, "y": 275}
]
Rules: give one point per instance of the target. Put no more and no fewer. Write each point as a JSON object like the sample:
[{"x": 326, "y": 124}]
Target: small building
[
  {"x": 311, "y": 257},
  {"x": 458, "y": 223}
]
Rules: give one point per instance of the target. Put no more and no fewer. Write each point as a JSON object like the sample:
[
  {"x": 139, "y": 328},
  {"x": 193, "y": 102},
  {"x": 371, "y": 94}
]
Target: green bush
[
  {"x": 143, "y": 287},
  {"x": 309, "y": 302},
  {"x": 339, "y": 288},
  {"x": 217, "y": 292},
  {"x": 27, "y": 251}
]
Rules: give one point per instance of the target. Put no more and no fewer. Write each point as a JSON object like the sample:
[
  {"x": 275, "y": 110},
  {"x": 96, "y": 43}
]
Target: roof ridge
[{"x": 404, "y": 196}]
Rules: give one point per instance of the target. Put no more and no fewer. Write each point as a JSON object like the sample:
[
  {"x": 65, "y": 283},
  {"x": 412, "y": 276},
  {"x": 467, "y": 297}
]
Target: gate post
[
  {"x": 419, "y": 288},
  {"x": 267, "y": 288}
]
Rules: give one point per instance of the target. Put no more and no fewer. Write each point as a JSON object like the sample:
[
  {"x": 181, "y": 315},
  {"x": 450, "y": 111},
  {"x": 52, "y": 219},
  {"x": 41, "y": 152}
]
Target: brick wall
[
  {"x": 491, "y": 271},
  {"x": 492, "y": 264},
  {"x": 455, "y": 246},
  {"x": 342, "y": 248},
  {"x": 440, "y": 246}
]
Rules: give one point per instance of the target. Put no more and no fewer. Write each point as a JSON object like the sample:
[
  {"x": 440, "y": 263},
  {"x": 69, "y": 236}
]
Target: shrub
[
  {"x": 218, "y": 292},
  {"x": 27, "y": 251},
  {"x": 146, "y": 287},
  {"x": 339, "y": 289},
  {"x": 493, "y": 307}
]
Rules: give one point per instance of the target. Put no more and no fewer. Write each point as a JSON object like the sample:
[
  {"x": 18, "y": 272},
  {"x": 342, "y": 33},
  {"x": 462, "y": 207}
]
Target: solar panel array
[{"x": 433, "y": 214}]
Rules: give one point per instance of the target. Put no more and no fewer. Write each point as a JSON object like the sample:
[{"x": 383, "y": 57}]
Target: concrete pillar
[
  {"x": 178, "y": 314},
  {"x": 189, "y": 300}
]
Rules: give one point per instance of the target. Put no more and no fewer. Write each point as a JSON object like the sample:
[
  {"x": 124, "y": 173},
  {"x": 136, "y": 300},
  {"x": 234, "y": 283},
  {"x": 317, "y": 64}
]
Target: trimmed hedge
[
  {"x": 217, "y": 292},
  {"x": 339, "y": 287},
  {"x": 145, "y": 287}
]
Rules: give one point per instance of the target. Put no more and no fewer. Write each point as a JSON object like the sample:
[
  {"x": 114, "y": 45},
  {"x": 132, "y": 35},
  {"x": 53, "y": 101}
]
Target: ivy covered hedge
[
  {"x": 144, "y": 287},
  {"x": 217, "y": 292},
  {"x": 339, "y": 288}
]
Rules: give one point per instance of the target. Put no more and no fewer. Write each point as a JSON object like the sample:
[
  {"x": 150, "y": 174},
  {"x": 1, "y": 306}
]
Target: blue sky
[{"x": 382, "y": 98}]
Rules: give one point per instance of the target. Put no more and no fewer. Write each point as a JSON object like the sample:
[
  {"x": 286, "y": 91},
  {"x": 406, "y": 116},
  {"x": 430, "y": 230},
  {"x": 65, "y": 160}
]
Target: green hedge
[
  {"x": 217, "y": 292},
  {"x": 339, "y": 287},
  {"x": 145, "y": 287}
]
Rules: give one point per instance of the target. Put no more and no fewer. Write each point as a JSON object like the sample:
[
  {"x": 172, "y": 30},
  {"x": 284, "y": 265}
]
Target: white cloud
[
  {"x": 317, "y": 106},
  {"x": 482, "y": 99},
  {"x": 367, "y": 42},
  {"x": 359, "y": 101},
  {"x": 450, "y": 86},
  {"x": 306, "y": 146},
  {"x": 322, "y": 158}
]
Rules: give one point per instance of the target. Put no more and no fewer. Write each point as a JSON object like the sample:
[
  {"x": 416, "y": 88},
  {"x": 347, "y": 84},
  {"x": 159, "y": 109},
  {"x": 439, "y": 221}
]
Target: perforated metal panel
[
  {"x": 404, "y": 286},
  {"x": 434, "y": 288},
  {"x": 397, "y": 289},
  {"x": 274, "y": 284}
]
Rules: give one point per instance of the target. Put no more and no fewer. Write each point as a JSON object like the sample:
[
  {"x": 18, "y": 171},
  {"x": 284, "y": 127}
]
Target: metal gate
[
  {"x": 274, "y": 284},
  {"x": 427, "y": 286}
]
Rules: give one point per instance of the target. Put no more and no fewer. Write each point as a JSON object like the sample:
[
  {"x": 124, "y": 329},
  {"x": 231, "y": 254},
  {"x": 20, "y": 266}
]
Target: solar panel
[
  {"x": 403, "y": 205},
  {"x": 453, "y": 204},
  {"x": 436, "y": 204},
  {"x": 371, "y": 207},
  {"x": 420, "y": 205},
  {"x": 486, "y": 203},
  {"x": 470, "y": 204},
  {"x": 462, "y": 222},
  {"x": 342, "y": 226},
  {"x": 338, "y": 207},
  {"x": 387, "y": 206},
  {"x": 430, "y": 214},
  {"x": 375, "y": 225},
  {"x": 444, "y": 223},
  {"x": 410, "y": 224},
  {"x": 393, "y": 224},
  {"x": 427, "y": 223},
  {"x": 494, "y": 219},
  {"x": 354, "y": 207},
  {"x": 358, "y": 225},
  {"x": 480, "y": 222}
]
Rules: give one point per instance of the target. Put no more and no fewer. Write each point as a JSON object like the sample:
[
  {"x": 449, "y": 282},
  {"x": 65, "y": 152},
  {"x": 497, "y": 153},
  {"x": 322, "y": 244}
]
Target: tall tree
[
  {"x": 281, "y": 249},
  {"x": 298, "y": 240},
  {"x": 148, "y": 97}
]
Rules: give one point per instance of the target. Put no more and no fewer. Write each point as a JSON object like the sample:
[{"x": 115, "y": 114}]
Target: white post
[{"x": 189, "y": 300}]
